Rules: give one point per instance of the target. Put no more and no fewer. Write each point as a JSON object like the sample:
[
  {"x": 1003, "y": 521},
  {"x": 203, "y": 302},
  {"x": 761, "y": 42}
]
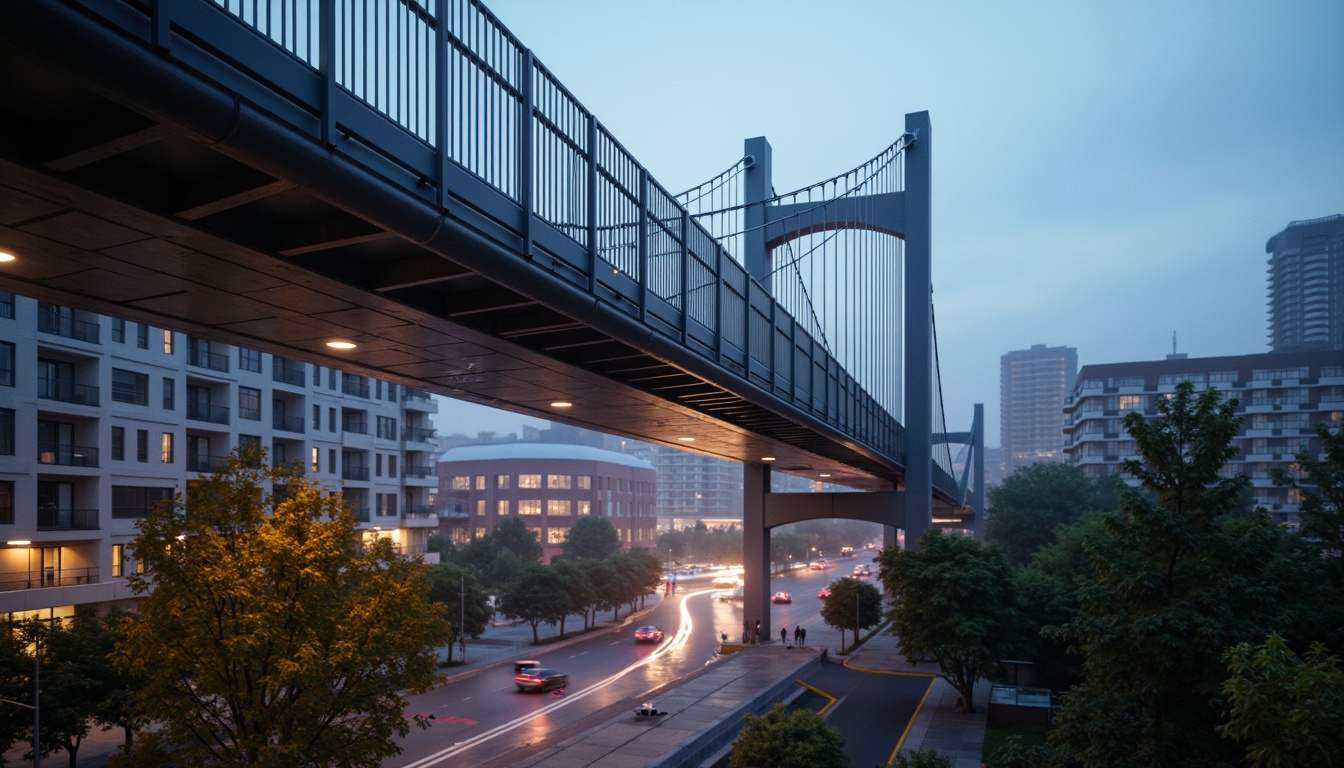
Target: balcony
[
  {"x": 414, "y": 394},
  {"x": 65, "y": 577},
  {"x": 354, "y": 473},
  {"x": 287, "y": 372},
  {"x": 66, "y": 391},
  {"x": 214, "y": 414},
  {"x": 420, "y": 472},
  {"x": 287, "y": 423},
  {"x": 417, "y": 434},
  {"x": 356, "y": 387},
  {"x": 355, "y": 426},
  {"x": 419, "y": 520},
  {"x": 206, "y": 463},
  {"x": 67, "y": 455},
  {"x": 361, "y": 513},
  {"x": 202, "y": 357},
  {"x": 421, "y": 509},
  {"x": 67, "y": 519},
  {"x": 68, "y": 327}
]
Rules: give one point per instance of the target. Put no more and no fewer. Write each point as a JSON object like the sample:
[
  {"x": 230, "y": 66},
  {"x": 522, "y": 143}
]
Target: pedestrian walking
[
  {"x": 783, "y": 636},
  {"x": 803, "y": 638},
  {"x": 798, "y": 635}
]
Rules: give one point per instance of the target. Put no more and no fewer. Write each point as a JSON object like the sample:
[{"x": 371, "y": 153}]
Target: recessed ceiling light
[
  {"x": 825, "y": 474},
  {"x": 7, "y": 256},
  {"x": 562, "y": 404},
  {"x": 19, "y": 543},
  {"x": 341, "y": 344},
  {"x": 767, "y": 458},
  {"x": 686, "y": 439}
]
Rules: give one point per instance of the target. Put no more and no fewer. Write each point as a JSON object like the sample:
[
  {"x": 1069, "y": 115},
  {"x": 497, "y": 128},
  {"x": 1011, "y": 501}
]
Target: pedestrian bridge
[{"x": 406, "y": 176}]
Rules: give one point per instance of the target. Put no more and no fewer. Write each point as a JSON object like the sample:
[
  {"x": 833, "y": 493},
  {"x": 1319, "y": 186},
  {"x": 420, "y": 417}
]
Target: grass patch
[{"x": 1033, "y": 734}]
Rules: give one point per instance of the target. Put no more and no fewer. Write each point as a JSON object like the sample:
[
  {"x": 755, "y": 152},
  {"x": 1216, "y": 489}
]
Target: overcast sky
[{"x": 1104, "y": 173}]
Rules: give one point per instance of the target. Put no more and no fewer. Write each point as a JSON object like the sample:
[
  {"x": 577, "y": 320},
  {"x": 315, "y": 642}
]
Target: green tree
[
  {"x": 853, "y": 605},
  {"x": 675, "y": 544},
  {"x": 600, "y": 574},
  {"x": 1288, "y": 711},
  {"x": 1027, "y": 507},
  {"x": 1179, "y": 576},
  {"x": 16, "y": 682},
  {"x": 591, "y": 538},
  {"x": 457, "y": 590},
  {"x": 1320, "y": 483},
  {"x": 788, "y": 739},
  {"x": 512, "y": 534},
  {"x": 640, "y": 574},
  {"x": 579, "y": 592},
  {"x": 537, "y": 596},
  {"x": 269, "y": 634},
  {"x": 922, "y": 759},
  {"x": 954, "y": 602}
]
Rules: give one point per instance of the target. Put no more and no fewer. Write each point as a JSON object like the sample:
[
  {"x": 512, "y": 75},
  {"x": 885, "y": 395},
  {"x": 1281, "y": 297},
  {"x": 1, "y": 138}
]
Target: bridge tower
[{"x": 906, "y": 214}]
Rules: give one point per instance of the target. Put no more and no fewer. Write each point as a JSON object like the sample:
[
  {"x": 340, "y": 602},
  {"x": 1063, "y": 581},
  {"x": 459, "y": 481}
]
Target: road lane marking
[{"x": 678, "y": 640}]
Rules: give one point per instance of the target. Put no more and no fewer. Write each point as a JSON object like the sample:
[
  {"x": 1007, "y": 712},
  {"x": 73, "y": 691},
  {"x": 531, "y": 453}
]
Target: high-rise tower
[
  {"x": 1306, "y": 285},
  {"x": 1032, "y": 386}
]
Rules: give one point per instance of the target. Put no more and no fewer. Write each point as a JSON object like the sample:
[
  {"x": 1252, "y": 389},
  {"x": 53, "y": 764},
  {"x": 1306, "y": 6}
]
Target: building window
[
  {"x": 142, "y": 445},
  {"x": 387, "y": 504},
  {"x": 167, "y": 342},
  {"x": 142, "y": 335},
  {"x": 377, "y": 465},
  {"x": 557, "y": 507},
  {"x": 1131, "y": 402},
  {"x": 130, "y": 387},
  {"x": 387, "y": 428},
  {"x": 331, "y": 419},
  {"x": 584, "y": 482},
  {"x": 166, "y": 448},
  {"x": 529, "y": 507},
  {"x": 118, "y": 560},
  {"x": 118, "y": 330},
  {"x": 249, "y": 403},
  {"x": 119, "y": 443},
  {"x": 6, "y": 502},
  {"x": 249, "y": 360},
  {"x": 558, "y": 481},
  {"x": 391, "y": 465},
  {"x": 6, "y": 304},
  {"x": 331, "y": 461},
  {"x": 585, "y": 507},
  {"x": 529, "y": 481},
  {"x": 480, "y": 507},
  {"x": 480, "y": 482},
  {"x": 315, "y": 461},
  {"x": 130, "y": 502},
  {"x": 502, "y": 507},
  {"x": 169, "y": 394},
  {"x": 503, "y": 481},
  {"x": 6, "y": 364},
  {"x": 317, "y": 417},
  {"x": 7, "y": 431}
]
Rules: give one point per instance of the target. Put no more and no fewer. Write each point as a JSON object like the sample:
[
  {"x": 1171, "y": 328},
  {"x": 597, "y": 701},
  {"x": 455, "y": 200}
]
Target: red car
[
  {"x": 781, "y": 597},
  {"x": 824, "y": 593},
  {"x": 648, "y": 634}
]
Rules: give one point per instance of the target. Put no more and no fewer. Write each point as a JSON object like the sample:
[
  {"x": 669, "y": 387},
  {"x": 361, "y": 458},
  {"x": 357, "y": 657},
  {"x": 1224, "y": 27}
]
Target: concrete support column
[
  {"x": 919, "y": 357},
  {"x": 755, "y": 548},
  {"x": 978, "y": 450},
  {"x": 756, "y": 187}
]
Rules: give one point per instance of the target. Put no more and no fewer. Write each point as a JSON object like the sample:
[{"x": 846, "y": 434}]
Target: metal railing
[
  {"x": 355, "y": 426},
  {"x": 66, "y": 391},
  {"x": 67, "y": 455},
  {"x": 417, "y": 434},
  {"x": 202, "y": 357},
  {"x": 354, "y": 473},
  {"x": 68, "y": 327},
  {"x": 206, "y": 463},
  {"x": 64, "y": 577},
  {"x": 67, "y": 519},
  {"x": 414, "y": 471},
  {"x": 287, "y": 423},
  {"x": 414, "y": 394},
  {"x": 288, "y": 372},
  {"x": 420, "y": 511},
  {"x": 355, "y": 387},
  {"x": 214, "y": 414}
]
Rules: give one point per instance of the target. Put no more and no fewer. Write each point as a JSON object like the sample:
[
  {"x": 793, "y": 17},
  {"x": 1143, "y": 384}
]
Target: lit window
[
  {"x": 529, "y": 507},
  {"x": 558, "y": 481},
  {"x": 557, "y": 507},
  {"x": 461, "y": 483},
  {"x": 585, "y": 507},
  {"x": 585, "y": 482},
  {"x": 118, "y": 560},
  {"x": 556, "y": 535},
  {"x": 167, "y": 342},
  {"x": 529, "y": 481},
  {"x": 480, "y": 507},
  {"x": 480, "y": 482},
  {"x": 502, "y": 507},
  {"x": 502, "y": 481},
  {"x": 166, "y": 448}
]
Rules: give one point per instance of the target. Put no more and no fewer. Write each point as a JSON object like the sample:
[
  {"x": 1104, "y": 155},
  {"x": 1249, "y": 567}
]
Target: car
[
  {"x": 648, "y": 634},
  {"x": 540, "y": 679},
  {"x": 781, "y": 597},
  {"x": 824, "y": 593},
  {"x": 821, "y": 565},
  {"x": 846, "y": 550}
]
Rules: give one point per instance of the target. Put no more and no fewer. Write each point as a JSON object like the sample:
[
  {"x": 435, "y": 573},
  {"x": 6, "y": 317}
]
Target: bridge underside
[{"x": 265, "y": 241}]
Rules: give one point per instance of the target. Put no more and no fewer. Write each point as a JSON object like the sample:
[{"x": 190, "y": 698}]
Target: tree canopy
[
  {"x": 270, "y": 635},
  {"x": 783, "y": 738},
  {"x": 853, "y": 605},
  {"x": 537, "y": 596},
  {"x": 459, "y": 592},
  {"x": 954, "y": 603},
  {"x": 1027, "y": 507},
  {"x": 591, "y": 538}
]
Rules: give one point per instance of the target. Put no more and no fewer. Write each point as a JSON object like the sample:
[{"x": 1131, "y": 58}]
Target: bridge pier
[{"x": 755, "y": 548}]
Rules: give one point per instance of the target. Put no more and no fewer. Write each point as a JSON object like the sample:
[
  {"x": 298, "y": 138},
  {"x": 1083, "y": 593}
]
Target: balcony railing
[
  {"x": 408, "y": 515},
  {"x": 421, "y": 510},
  {"x": 67, "y": 455},
  {"x": 286, "y": 372},
  {"x": 413, "y": 394},
  {"x": 68, "y": 327},
  {"x": 215, "y": 414},
  {"x": 65, "y": 577},
  {"x": 356, "y": 426},
  {"x": 287, "y": 423},
  {"x": 361, "y": 513},
  {"x": 414, "y": 471},
  {"x": 355, "y": 387},
  {"x": 204, "y": 358},
  {"x": 66, "y": 391},
  {"x": 417, "y": 434},
  {"x": 354, "y": 473},
  {"x": 206, "y": 463},
  {"x": 67, "y": 519}
]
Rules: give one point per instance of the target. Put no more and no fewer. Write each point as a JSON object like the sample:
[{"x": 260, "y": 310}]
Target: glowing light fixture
[
  {"x": 7, "y": 256},
  {"x": 825, "y": 474},
  {"x": 19, "y": 543},
  {"x": 686, "y": 439},
  {"x": 339, "y": 344},
  {"x": 767, "y": 458},
  {"x": 562, "y": 404}
]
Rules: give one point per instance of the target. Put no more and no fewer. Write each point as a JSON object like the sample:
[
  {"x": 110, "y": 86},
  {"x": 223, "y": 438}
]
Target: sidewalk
[{"x": 940, "y": 724}]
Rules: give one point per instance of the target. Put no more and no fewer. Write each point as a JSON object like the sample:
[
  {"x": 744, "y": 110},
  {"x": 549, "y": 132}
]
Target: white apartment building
[
  {"x": 101, "y": 417},
  {"x": 1281, "y": 398}
]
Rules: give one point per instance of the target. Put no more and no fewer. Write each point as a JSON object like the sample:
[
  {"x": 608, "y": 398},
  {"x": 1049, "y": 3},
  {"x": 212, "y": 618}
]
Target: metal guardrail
[
  {"x": 214, "y": 414},
  {"x": 66, "y": 391},
  {"x": 68, "y": 327},
  {"x": 64, "y": 577},
  {"x": 67, "y": 519},
  {"x": 67, "y": 455}
]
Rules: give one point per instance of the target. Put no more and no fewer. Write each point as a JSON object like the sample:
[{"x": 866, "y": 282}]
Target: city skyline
[{"x": 1095, "y": 167}]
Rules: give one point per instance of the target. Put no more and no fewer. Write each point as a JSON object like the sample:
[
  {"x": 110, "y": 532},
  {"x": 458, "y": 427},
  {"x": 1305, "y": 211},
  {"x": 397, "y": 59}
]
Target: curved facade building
[
  {"x": 1306, "y": 285},
  {"x": 549, "y": 486}
]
